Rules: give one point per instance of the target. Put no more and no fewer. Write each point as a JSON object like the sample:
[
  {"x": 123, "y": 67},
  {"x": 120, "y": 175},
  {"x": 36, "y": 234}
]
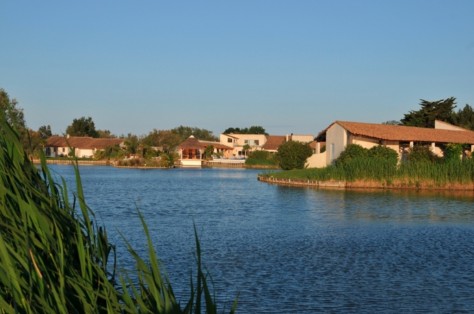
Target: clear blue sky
[{"x": 289, "y": 66}]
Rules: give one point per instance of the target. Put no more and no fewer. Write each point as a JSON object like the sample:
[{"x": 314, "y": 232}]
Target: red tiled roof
[
  {"x": 193, "y": 143},
  {"x": 404, "y": 133},
  {"x": 273, "y": 142},
  {"x": 82, "y": 142}
]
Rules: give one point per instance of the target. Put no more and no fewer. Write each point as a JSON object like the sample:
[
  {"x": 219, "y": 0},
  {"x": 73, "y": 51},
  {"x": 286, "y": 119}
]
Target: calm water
[{"x": 286, "y": 250}]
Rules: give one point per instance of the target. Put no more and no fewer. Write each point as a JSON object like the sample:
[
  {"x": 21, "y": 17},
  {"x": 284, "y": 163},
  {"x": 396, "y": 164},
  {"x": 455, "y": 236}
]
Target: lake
[{"x": 285, "y": 249}]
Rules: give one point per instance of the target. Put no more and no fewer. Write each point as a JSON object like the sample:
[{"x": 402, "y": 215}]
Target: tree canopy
[
  {"x": 13, "y": 114},
  {"x": 185, "y": 131},
  {"x": 430, "y": 111},
  {"x": 82, "y": 127},
  {"x": 439, "y": 110},
  {"x": 256, "y": 129}
]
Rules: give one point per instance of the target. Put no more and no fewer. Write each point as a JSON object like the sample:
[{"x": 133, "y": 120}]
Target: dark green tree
[
  {"x": 431, "y": 111},
  {"x": 82, "y": 127},
  {"x": 45, "y": 131},
  {"x": 256, "y": 129},
  {"x": 465, "y": 118},
  {"x": 13, "y": 114},
  {"x": 293, "y": 155}
]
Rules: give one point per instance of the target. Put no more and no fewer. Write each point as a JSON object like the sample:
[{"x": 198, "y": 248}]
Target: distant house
[
  {"x": 342, "y": 133},
  {"x": 191, "y": 151},
  {"x": 270, "y": 143},
  {"x": 83, "y": 147}
]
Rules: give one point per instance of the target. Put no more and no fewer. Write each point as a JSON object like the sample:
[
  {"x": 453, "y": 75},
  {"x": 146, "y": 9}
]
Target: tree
[
  {"x": 167, "y": 140},
  {"x": 13, "y": 114},
  {"x": 82, "y": 127},
  {"x": 185, "y": 131},
  {"x": 256, "y": 129},
  {"x": 465, "y": 117},
  {"x": 431, "y": 111},
  {"x": 45, "y": 131},
  {"x": 293, "y": 155}
]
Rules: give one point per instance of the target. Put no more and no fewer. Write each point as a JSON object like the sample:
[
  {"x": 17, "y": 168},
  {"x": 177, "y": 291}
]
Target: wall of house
[
  {"x": 302, "y": 138},
  {"x": 238, "y": 141},
  {"x": 316, "y": 161},
  {"x": 84, "y": 152},
  {"x": 363, "y": 141},
  {"x": 336, "y": 142}
]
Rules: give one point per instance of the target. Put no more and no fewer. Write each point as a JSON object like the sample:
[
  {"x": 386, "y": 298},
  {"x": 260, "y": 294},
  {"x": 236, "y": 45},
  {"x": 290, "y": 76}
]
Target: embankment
[{"x": 370, "y": 184}]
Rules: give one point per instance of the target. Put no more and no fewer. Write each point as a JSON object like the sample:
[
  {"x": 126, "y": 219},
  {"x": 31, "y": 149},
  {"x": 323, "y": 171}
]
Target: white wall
[{"x": 336, "y": 142}]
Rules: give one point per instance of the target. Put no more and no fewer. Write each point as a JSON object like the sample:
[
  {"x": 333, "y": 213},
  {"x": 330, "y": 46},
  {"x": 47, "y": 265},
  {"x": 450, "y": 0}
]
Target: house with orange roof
[
  {"x": 191, "y": 151},
  {"x": 400, "y": 138},
  {"x": 269, "y": 143},
  {"x": 82, "y": 147}
]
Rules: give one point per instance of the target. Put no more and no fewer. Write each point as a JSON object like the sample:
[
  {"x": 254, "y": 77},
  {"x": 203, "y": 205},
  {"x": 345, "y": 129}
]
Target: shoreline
[{"x": 369, "y": 184}]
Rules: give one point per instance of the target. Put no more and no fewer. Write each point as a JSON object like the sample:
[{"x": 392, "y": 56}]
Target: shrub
[
  {"x": 293, "y": 155},
  {"x": 453, "y": 152},
  {"x": 352, "y": 151},
  {"x": 261, "y": 158},
  {"x": 420, "y": 153}
]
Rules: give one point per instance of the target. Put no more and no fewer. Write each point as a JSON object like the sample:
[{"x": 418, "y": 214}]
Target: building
[
  {"x": 82, "y": 147},
  {"x": 400, "y": 138},
  {"x": 242, "y": 143},
  {"x": 192, "y": 151}
]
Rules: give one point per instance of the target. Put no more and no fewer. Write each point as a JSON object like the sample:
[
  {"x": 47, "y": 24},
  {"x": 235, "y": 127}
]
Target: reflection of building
[
  {"x": 83, "y": 147},
  {"x": 342, "y": 133}
]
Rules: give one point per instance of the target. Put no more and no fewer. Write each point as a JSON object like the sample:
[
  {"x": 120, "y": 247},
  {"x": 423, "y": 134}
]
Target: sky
[{"x": 288, "y": 66}]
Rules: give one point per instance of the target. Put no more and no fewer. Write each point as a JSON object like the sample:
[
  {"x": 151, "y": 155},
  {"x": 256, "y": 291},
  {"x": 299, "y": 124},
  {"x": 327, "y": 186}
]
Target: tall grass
[
  {"x": 55, "y": 259},
  {"x": 377, "y": 169}
]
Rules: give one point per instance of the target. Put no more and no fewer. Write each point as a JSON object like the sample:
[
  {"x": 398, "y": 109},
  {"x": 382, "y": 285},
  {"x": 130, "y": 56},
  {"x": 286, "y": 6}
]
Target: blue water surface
[{"x": 293, "y": 250}]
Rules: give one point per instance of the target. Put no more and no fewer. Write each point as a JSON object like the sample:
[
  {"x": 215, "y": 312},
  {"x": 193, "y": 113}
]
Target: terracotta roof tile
[
  {"x": 406, "y": 133},
  {"x": 273, "y": 142}
]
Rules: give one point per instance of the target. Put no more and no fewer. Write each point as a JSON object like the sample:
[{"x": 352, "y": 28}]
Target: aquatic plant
[{"x": 54, "y": 258}]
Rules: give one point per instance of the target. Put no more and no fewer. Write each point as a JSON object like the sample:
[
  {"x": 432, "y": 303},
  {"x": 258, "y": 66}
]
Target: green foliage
[
  {"x": 261, "y": 158},
  {"x": 383, "y": 152},
  {"x": 465, "y": 118},
  {"x": 431, "y": 111},
  {"x": 453, "y": 152},
  {"x": 421, "y": 153},
  {"x": 352, "y": 151},
  {"x": 293, "y": 155},
  {"x": 56, "y": 260},
  {"x": 82, "y": 127},
  {"x": 185, "y": 131},
  {"x": 256, "y": 129}
]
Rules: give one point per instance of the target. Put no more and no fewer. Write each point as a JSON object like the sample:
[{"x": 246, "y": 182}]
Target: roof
[
  {"x": 403, "y": 133},
  {"x": 82, "y": 142},
  {"x": 273, "y": 142},
  {"x": 193, "y": 143}
]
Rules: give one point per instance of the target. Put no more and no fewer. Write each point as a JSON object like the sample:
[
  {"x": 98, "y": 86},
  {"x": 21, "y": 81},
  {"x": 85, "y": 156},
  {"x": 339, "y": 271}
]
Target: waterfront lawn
[{"x": 438, "y": 173}]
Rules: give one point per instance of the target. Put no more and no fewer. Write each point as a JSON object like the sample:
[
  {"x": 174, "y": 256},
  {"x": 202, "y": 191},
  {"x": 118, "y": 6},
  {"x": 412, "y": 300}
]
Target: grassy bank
[
  {"x": 409, "y": 174},
  {"x": 54, "y": 258}
]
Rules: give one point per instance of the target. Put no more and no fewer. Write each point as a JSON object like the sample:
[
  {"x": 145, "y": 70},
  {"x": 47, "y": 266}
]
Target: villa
[
  {"x": 82, "y": 147},
  {"x": 400, "y": 138}
]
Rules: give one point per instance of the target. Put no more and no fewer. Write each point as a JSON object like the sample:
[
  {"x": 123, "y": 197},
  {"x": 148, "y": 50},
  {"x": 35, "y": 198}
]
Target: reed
[
  {"x": 54, "y": 258},
  {"x": 439, "y": 173}
]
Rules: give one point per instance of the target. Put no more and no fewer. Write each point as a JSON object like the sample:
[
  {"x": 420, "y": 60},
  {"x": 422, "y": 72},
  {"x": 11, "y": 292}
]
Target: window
[
  {"x": 257, "y": 142},
  {"x": 229, "y": 140}
]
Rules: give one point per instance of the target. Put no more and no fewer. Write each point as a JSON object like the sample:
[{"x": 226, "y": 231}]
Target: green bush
[
  {"x": 293, "y": 155},
  {"x": 261, "y": 158},
  {"x": 352, "y": 151},
  {"x": 420, "y": 153},
  {"x": 453, "y": 152}
]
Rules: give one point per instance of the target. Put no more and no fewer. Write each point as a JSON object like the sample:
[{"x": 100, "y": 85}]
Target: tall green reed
[{"x": 54, "y": 259}]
